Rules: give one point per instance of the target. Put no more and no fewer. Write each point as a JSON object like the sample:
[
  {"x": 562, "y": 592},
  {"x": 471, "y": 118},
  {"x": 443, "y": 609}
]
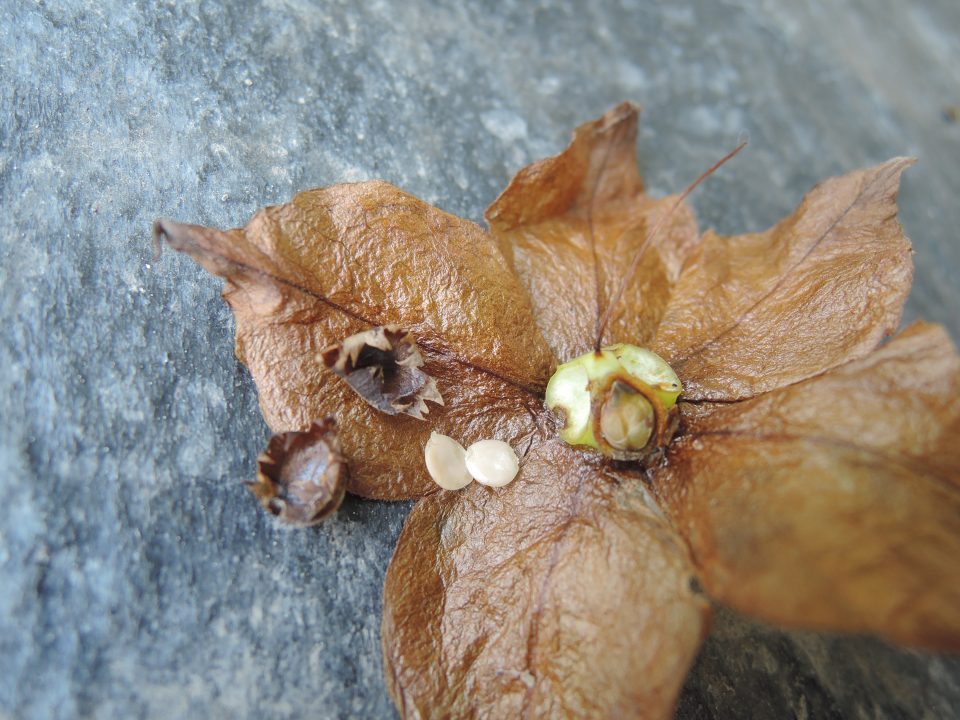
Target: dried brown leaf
[
  {"x": 570, "y": 223},
  {"x": 851, "y": 484},
  {"x": 756, "y": 312},
  {"x": 338, "y": 261},
  {"x": 562, "y": 595}
]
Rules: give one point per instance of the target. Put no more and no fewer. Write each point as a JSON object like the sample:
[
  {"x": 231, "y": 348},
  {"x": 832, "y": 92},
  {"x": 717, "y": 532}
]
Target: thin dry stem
[{"x": 635, "y": 261}]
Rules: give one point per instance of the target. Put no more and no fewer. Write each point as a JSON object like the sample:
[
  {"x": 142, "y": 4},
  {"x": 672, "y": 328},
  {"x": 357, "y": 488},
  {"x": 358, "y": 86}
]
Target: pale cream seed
[
  {"x": 446, "y": 462},
  {"x": 492, "y": 462}
]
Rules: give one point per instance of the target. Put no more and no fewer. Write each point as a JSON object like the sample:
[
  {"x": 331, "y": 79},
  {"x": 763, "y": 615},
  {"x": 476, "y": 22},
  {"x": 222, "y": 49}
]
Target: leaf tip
[
  {"x": 169, "y": 231},
  {"x": 621, "y": 111},
  {"x": 159, "y": 232}
]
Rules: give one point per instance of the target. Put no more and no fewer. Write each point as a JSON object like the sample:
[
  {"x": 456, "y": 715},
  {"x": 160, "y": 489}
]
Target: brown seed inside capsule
[{"x": 626, "y": 418}]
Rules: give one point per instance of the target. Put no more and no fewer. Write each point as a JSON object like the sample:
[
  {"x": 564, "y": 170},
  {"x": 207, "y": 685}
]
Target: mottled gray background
[{"x": 137, "y": 578}]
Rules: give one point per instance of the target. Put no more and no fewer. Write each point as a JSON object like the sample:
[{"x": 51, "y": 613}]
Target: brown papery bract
[
  {"x": 565, "y": 594},
  {"x": 812, "y": 481}
]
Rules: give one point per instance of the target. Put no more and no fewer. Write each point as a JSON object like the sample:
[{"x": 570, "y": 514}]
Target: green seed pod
[{"x": 620, "y": 401}]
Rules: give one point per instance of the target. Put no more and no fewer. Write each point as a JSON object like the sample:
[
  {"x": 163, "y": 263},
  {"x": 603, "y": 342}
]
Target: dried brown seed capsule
[
  {"x": 302, "y": 476},
  {"x": 383, "y": 366}
]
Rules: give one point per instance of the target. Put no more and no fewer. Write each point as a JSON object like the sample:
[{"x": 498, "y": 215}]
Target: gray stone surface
[{"x": 137, "y": 578}]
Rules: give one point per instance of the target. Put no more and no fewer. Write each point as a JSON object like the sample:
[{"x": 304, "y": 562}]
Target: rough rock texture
[{"x": 137, "y": 577}]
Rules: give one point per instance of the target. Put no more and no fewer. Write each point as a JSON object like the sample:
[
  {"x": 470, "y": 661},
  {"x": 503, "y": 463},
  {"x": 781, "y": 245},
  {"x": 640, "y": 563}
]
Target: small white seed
[
  {"x": 492, "y": 462},
  {"x": 446, "y": 462}
]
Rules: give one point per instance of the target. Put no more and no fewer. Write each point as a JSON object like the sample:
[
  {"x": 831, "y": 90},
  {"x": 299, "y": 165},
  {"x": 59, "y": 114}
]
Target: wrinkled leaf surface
[
  {"x": 834, "y": 503},
  {"x": 561, "y": 595}
]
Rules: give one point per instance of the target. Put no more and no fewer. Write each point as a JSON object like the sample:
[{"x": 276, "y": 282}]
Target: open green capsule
[{"x": 620, "y": 400}]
